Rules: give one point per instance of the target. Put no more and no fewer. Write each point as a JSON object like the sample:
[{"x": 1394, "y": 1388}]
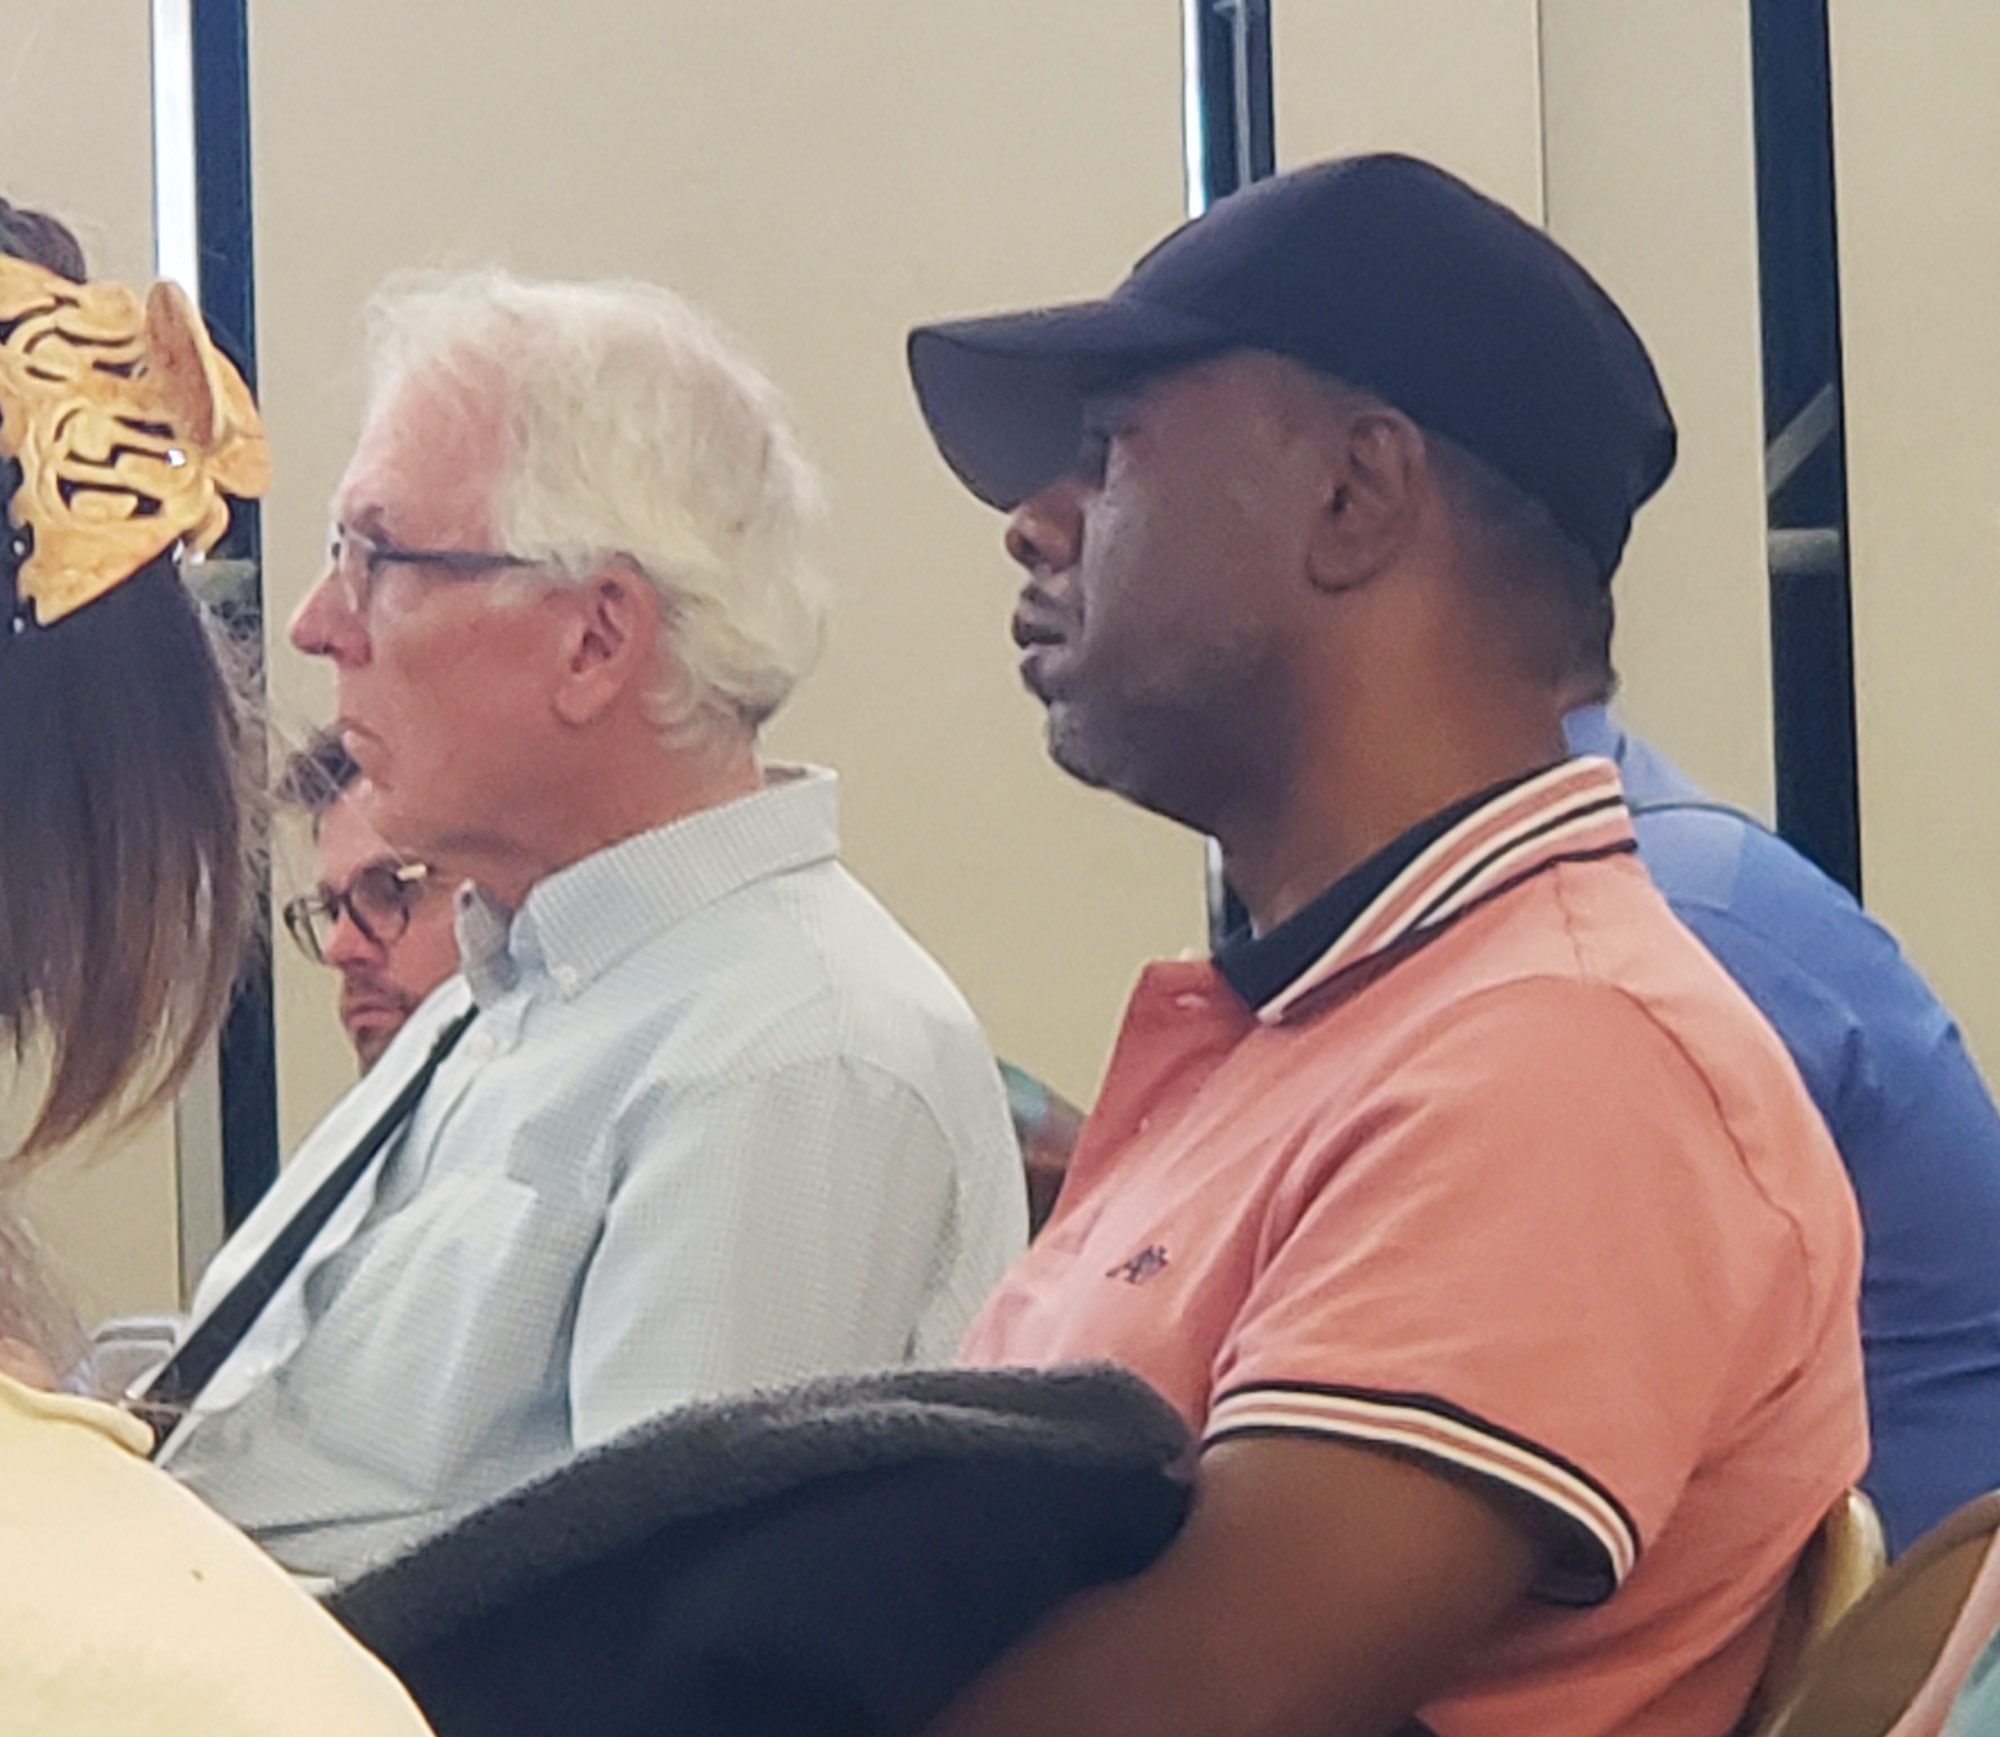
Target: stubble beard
[{"x": 1129, "y": 759}]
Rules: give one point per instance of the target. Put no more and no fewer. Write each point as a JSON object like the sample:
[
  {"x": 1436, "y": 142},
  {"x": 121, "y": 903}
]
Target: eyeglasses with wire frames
[
  {"x": 358, "y": 559},
  {"x": 379, "y": 900}
]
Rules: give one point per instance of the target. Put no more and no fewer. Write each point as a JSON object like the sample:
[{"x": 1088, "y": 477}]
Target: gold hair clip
[{"x": 130, "y": 428}]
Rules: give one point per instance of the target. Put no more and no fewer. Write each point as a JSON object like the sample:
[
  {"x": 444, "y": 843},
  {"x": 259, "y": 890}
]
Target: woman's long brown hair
[
  {"x": 127, "y": 824},
  {"x": 125, "y": 879}
]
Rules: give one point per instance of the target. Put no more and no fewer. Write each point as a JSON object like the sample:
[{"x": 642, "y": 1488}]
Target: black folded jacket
[{"x": 836, "y": 1559}]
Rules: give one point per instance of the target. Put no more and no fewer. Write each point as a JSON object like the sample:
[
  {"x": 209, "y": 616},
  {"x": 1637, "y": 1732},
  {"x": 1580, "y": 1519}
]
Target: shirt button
[
  {"x": 480, "y": 1047},
  {"x": 567, "y": 978}
]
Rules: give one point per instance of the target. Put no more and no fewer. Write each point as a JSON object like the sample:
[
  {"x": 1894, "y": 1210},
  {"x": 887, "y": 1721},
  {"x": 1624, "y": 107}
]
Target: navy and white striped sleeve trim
[{"x": 1598, "y": 1544}]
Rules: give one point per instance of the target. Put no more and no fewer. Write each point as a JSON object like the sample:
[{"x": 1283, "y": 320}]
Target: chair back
[
  {"x": 1046, "y": 1126},
  {"x": 1860, "y": 1679},
  {"x": 1844, "y": 1559}
]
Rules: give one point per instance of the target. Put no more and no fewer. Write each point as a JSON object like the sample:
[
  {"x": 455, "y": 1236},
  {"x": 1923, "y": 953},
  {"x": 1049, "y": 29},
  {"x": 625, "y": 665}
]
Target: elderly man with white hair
[{"x": 699, "y": 1115}]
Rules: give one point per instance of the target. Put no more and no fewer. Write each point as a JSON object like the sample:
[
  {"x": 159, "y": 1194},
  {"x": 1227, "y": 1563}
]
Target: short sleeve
[{"x": 1531, "y": 1260}]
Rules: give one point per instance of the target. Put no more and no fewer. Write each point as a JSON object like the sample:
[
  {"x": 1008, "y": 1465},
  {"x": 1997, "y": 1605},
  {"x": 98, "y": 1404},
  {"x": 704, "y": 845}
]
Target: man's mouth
[
  {"x": 1033, "y": 626},
  {"x": 1039, "y": 670},
  {"x": 1042, "y": 641}
]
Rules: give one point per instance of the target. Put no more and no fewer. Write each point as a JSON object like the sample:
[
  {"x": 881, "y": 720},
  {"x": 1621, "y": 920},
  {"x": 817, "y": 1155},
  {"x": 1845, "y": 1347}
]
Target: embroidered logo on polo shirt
[{"x": 1142, "y": 1266}]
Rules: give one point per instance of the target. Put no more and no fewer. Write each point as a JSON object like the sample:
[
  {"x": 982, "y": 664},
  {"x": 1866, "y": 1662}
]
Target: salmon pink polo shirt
[{"x": 1494, "y": 1166}]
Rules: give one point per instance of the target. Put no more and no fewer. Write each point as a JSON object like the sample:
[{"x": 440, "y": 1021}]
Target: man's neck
[
  {"x": 601, "y": 813},
  {"x": 1339, "y": 815}
]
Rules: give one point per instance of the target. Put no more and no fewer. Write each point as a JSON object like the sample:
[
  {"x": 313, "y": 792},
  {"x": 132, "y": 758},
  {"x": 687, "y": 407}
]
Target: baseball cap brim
[{"x": 1005, "y": 395}]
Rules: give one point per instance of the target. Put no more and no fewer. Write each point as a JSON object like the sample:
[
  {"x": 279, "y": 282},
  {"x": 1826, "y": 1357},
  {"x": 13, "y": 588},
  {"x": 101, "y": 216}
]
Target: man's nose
[
  {"x": 1045, "y": 532},
  {"x": 325, "y": 625},
  {"x": 349, "y": 946}
]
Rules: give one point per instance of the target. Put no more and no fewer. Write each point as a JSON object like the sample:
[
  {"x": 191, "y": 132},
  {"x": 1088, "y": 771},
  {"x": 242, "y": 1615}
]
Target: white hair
[{"x": 634, "y": 429}]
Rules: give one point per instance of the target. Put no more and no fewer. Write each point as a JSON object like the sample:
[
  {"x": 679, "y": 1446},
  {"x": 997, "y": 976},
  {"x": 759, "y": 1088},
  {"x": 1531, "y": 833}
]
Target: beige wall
[
  {"x": 820, "y": 175},
  {"x": 1650, "y": 176},
  {"x": 726, "y": 151},
  {"x": 76, "y": 138},
  {"x": 1624, "y": 125},
  {"x": 1457, "y": 81},
  {"x": 1917, "y": 146}
]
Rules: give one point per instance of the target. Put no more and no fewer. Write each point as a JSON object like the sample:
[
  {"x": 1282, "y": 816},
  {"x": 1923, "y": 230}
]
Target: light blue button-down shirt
[
  {"x": 1976, "y": 1712},
  {"x": 1902, "y": 1099},
  {"x": 719, "y": 1121}
]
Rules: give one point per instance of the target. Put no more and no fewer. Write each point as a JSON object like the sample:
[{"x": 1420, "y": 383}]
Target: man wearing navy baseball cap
[{"x": 1479, "y": 1225}]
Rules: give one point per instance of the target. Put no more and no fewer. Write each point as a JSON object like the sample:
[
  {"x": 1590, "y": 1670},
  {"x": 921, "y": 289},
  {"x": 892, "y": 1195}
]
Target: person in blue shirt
[{"x": 1884, "y": 1062}]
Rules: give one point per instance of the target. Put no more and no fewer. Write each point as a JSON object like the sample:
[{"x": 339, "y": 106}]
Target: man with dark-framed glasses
[{"x": 383, "y": 923}]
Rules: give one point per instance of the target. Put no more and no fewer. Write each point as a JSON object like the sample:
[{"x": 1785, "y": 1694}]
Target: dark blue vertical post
[
  {"x": 1230, "y": 145},
  {"x": 1812, "y": 635},
  {"x": 221, "y": 43},
  {"x": 1230, "y": 82}
]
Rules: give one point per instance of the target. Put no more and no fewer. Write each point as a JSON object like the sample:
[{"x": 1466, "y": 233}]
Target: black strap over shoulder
[{"x": 204, "y": 1351}]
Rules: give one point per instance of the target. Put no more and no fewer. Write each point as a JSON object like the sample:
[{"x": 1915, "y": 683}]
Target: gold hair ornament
[{"x": 130, "y": 428}]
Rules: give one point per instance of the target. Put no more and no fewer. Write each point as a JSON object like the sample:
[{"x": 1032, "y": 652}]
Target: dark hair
[
  {"x": 41, "y": 240},
  {"x": 127, "y": 825},
  {"x": 126, "y": 884},
  {"x": 1552, "y": 591},
  {"x": 319, "y": 774}
]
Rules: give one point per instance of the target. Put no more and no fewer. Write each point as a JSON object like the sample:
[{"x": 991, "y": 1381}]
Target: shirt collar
[
  {"x": 1591, "y": 730},
  {"x": 580, "y": 921},
  {"x": 1651, "y": 780},
  {"x": 1431, "y": 874}
]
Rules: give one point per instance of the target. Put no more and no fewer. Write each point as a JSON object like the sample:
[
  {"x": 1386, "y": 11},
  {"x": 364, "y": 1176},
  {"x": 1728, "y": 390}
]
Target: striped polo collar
[{"x": 1435, "y": 872}]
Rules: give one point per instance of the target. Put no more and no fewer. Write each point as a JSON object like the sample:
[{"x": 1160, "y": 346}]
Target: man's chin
[
  {"x": 374, "y": 804},
  {"x": 384, "y": 809},
  {"x": 1078, "y": 765},
  {"x": 1145, "y": 780},
  {"x": 371, "y": 1036},
  {"x": 1085, "y": 754}
]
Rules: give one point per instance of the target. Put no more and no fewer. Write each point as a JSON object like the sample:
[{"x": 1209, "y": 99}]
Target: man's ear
[
  {"x": 1370, "y": 508},
  {"x": 611, "y": 644}
]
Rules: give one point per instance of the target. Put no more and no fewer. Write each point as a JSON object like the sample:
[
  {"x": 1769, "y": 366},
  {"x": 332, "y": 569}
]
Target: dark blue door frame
[
  {"x": 224, "y": 240},
  {"x": 1812, "y": 635},
  {"x": 1231, "y": 143}
]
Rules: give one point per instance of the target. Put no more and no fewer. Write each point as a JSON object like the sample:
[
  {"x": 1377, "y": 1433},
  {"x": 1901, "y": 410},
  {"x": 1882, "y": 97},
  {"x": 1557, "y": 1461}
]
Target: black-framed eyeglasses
[
  {"x": 357, "y": 559},
  {"x": 379, "y": 900}
]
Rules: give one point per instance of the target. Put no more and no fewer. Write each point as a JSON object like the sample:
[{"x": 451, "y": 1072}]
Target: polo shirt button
[{"x": 567, "y": 978}]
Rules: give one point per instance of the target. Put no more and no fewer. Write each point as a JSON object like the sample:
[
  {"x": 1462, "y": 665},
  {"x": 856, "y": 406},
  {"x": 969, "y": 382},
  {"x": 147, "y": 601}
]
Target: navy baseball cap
[{"x": 1381, "y": 271}]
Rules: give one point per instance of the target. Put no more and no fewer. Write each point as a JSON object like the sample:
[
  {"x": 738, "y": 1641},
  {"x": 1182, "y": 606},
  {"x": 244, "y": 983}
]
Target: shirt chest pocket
[{"x": 449, "y": 1329}]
